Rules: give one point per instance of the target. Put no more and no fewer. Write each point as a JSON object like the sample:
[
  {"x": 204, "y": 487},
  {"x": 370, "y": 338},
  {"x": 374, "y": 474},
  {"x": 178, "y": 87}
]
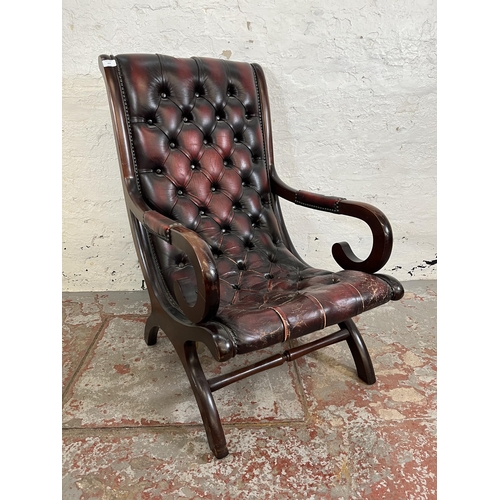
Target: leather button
[
  {"x": 268, "y": 276},
  {"x": 180, "y": 192},
  {"x": 197, "y": 94},
  {"x": 193, "y": 166},
  {"x": 212, "y": 189},
  {"x": 223, "y": 230},
  {"x": 181, "y": 264},
  {"x": 172, "y": 145},
  {"x": 236, "y": 139},
  {"x": 244, "y": 184},
  {"x": 185, "y": 119},
  {"x": 163, "y": 95},
  {"x": 236, "y": 287},
  {"x": 217, "y": 117},
  {"x": 150, "y": 122},
  {"x": 202, "y": 212},
  {"x": 158, "y": 170},
  {"x": 241, "y": 266},
  {"x": 205, "y": 141}
]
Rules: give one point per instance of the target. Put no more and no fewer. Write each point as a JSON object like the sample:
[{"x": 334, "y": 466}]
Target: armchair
[{"x": 195, "y": 147}]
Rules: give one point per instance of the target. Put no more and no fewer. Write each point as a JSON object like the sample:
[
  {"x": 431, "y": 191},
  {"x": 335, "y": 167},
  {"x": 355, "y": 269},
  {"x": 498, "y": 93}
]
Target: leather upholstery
[{"x": 200, "y": 159}]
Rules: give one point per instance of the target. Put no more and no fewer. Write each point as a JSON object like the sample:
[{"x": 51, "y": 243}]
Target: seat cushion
[{"x": 265, "y": 303}]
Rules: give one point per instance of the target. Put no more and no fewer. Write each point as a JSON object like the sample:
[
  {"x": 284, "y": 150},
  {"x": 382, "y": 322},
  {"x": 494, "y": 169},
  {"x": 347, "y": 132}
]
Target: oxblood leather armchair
[{"x": 195, "y": 146}]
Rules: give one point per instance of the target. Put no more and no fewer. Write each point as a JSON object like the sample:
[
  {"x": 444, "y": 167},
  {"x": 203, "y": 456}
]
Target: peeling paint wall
[{"x": 353, "y": 99}]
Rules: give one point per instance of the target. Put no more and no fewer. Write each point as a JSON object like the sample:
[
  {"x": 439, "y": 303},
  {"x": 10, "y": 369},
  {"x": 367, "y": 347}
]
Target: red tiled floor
[{"x": 310, "y": 429}]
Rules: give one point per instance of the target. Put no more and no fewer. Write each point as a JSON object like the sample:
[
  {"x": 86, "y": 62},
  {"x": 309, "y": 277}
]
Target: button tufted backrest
[{"x": 199, "y": 156}]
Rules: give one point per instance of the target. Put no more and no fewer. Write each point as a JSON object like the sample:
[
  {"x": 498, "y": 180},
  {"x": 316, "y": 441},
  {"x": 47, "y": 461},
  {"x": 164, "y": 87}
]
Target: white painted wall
[{"x": 353, "y": 98}]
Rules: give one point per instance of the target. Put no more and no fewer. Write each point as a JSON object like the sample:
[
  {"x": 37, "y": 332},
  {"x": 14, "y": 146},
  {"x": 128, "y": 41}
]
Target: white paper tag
[{"x": 108, "y": 62}]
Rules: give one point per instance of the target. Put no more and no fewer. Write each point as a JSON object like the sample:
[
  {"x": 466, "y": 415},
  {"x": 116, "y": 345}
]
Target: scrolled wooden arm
[
  {"x": 207, "y": 278},
  {"x": 196, "y": 250},
  {"x": 342, "y": 252}
]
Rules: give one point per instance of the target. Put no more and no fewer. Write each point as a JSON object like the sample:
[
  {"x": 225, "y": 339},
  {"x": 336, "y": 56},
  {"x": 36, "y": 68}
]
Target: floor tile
[
  {"x": 394, "y": 461},
  {"x": 287, "y": 463},
  {"x": 82, "y": 320},
  {"x": 125, "y": 382}
]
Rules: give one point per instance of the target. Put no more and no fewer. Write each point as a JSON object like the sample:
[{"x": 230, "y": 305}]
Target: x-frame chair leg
[
  {"x": 202, "y": 391},
  {"x": 188, "y": 355},
  {"x": 359, "y": 352},
  {"x": 151, "y": 331},
  {"x": 215, "y": 433}
]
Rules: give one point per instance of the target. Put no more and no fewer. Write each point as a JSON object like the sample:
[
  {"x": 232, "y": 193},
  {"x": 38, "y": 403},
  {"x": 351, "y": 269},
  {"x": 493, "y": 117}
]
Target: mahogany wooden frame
[{"x": 184, "y": 329}]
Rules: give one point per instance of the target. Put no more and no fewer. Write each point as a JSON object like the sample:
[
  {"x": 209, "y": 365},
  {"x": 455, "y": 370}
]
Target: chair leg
[
  {"x": 151, "y": 331},
  {"x": 206, "y": 403},
  {"x": 360, "y": 353}
]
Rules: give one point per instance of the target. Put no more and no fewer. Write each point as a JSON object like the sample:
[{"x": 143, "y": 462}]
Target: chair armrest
[
  {"x": 197, "y": 251},
  {"x": 342, "y": 252}
]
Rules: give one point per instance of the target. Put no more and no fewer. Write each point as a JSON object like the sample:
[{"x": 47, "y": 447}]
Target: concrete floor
[{"x": 306, "y": 430}]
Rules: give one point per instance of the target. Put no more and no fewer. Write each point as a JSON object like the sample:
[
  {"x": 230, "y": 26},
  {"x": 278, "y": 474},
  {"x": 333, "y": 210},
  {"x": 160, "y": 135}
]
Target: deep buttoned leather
[{"x": 200, "y": 159}]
